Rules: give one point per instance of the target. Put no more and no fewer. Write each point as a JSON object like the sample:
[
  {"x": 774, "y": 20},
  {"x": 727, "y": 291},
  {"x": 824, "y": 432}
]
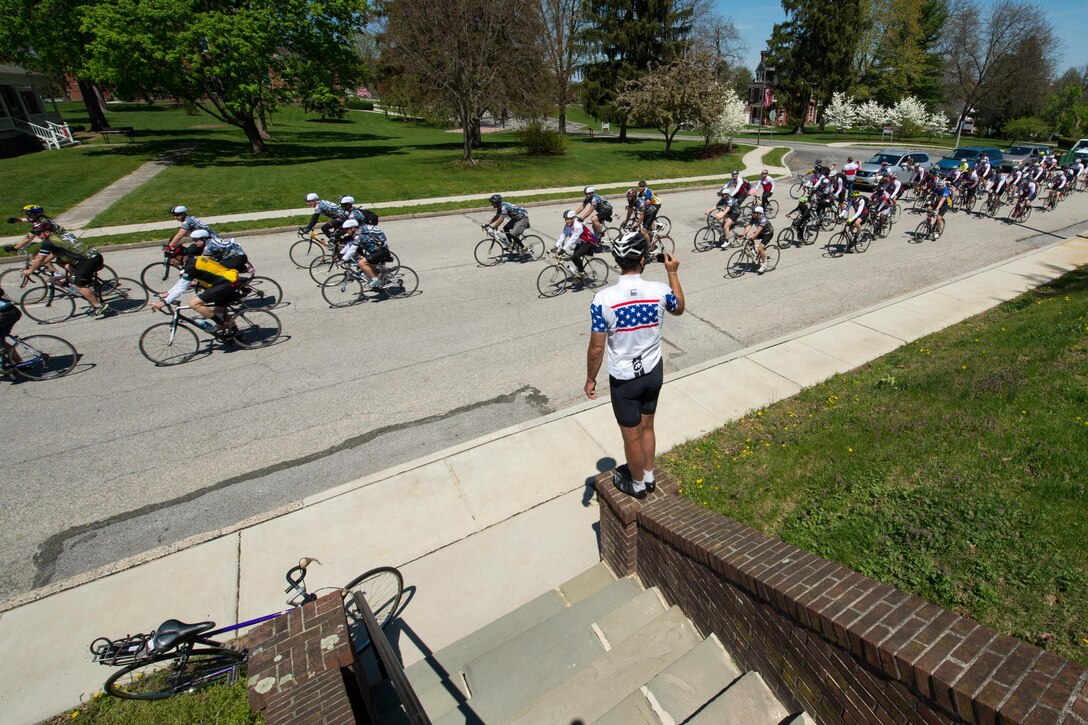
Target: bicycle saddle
[{"x": 172, "y": 632}]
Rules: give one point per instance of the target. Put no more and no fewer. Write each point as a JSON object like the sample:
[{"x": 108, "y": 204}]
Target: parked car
[
  {"x": 1018, "y": 154},
  {"x": 970, "y": 154},
  {"x": 897, "y": 164}
]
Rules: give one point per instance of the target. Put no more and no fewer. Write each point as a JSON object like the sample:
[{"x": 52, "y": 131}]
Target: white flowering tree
[
  {"x": 936, "y": 124},
  {"x": 842, "y": 112},
  {"x": 908, "y": 117},
  {"x": 730, "y": 120},
  {"x": 871, "y": 115}
]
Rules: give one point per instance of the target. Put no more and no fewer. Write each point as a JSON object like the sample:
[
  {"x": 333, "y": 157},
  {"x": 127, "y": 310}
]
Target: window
[{"x": 30, "y": 100}]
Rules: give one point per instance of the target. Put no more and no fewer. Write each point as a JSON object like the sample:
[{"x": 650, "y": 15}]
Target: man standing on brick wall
[{"x": 626, "y": 318}]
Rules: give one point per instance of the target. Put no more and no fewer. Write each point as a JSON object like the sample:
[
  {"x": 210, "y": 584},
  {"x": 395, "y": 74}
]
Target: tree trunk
[
  {"x": 262, "y": 125},
  {"x": 623, "y": 131},
  {"x": 668, "y": 141},
  {"x": 476, "y": 139},
  {"x": 253, "y": 135},
  {"x": 94, "y": 108},
  {"x": 563, "y": 120}
]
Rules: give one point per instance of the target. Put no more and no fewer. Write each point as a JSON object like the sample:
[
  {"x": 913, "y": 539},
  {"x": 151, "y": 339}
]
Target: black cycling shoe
[
  {"x": 651, "y": 486},
  {"x": 626, "y": 484}
]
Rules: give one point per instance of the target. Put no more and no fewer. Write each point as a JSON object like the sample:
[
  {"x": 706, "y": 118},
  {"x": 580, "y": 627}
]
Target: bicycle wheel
[
  {"x": 48, "y": 305},
  {"x": 828, "y": 218},
  {"x": 123, "y": 295},
  {"x": 1024, "y": 213},
  {"x": 12, "y": 279},
  {"x": 863, "y": 241},
  {"x": 797, "y": 190},
  {"x": 786, "y": 238},
  {"x": 811, "y": 232},
  {"x": 737, "y": 263},
  {"x": 382, "y": 589},
  {"x": 969, "y": 203},
  {"x": 921, "y": 232},
  {"x": 342, "y": 290},
  {"x": 106, "y": 274},
  {"x": 552, "y": 281},
  {"x": 897, "y": 214},
  {"x": 489, "y": 253},
  {"x": 836, "y": 245},
  {"x": 401, "y": 283},
  {"x": 165, "y": 345},
  {"x": 666, "y": 244},
  {"x": 534, "y": 246},
  {"x": 165, "y": 675},
  {"x": 596, "y": 274},
  {"x": 706, "y": 238},
  {"x": 771, "y": 209},
  {"x": 159, "y": 277},
  {"x": 663, "y": 225},
  {"x": 773, "y": 256},
  {"x": 255, "y": 328},
  {"x": 42, "y": 357},
  {"x": 321, "y": 267},
  {"x": 265, "y": 293},
  {"x": 303, "y": 252}
]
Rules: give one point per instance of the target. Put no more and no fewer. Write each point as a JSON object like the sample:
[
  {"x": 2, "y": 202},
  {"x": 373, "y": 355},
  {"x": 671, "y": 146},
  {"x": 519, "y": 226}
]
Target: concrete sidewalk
[
  {"x": 477, "y": 529},
  {"x": 80, "y": 215}
]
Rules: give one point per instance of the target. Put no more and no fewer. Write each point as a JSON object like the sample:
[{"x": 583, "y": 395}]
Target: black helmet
[
  {"x": 631, "y": 245},
  {"x": 496, "y": 199}
]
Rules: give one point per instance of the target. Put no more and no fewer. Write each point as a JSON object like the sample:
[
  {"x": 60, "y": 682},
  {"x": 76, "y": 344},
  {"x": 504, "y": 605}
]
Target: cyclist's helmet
[
  {"x": 723, "y": 191},
  {"x": 756, "y": 210},
  {"x": 350, "y": 224},
  {"x": 33, "y": 211},
  {"x": 589, "y": 190},
  {"x": 803, "y": 200},
  {"x": 855, "y": 194},
  {"x": 311, "y": 197},
  {"x": 569, "y": 214},
  {"x": 764, "y": 172},
  {"x": 632, "y": 193},
  {"x": 735, "y": 174},
  {"x": 642, "y": 184},
  {"x": 631, "y": 245},
  {"x": 199, "y": 234},
  {"x": 496, "y": 199},
  {"x": 347, "y": 200},
  {"x": 819, "y": 162},
  {"x": 179, "y": 210}
]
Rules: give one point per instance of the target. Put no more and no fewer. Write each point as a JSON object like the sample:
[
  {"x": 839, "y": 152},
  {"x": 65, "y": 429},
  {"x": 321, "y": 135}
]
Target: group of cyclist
[{"x": 355, "y": 234}]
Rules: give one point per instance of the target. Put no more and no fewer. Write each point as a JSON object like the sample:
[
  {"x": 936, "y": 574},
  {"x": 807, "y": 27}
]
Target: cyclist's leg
[
  {"x": 9, "y": 315},
  {"x": 579, "y": 252},
  {"x": 83, "y": 276}
]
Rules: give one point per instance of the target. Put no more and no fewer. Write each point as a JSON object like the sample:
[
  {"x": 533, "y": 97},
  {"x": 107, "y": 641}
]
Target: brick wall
[
  {"x": 826, "y": 639},
  {"x": 303, "y": 668}
]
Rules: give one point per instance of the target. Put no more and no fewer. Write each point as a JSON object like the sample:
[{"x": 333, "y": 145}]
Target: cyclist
[
  {"x": 351, "y": 211},
  {"x": 653, "y": 204},
  {"x": 1057, "y": 183},
  {"x": 856, "y": 216},
  {"x": 1037, "y": 172},
  {"x": 944, "y": 199},
  {"x": 881, "y": 204},
  {"x": 1001, "y": 183},
  {"x": 594, "y": 209},
  {"x": 971, "y": 180},
  {"x": 229, "y": 253},
  {"x": 32, "y": 214},
  {"x": 517, "y": 219},
  {"x": 366, "y": 244},
  {"x": 219, "y": 287},
  {"x": 820, "y": 169},
  {"x": 1028, "y": 190},
  {"x": 850, "y": 171},
  {"x": 984, "y": 168},
  {"x": 641, "y": 212},
  {"x": 760, "y": 231},
  {"x": 766, "y": 185},
  {"x": 1050, "y": 162},
  {"x": 321, "y": 208},
  {"x": 836, "y": 188},
  {"x": 737, "y": 187},
  {"x": 82, "y": 261},
  {"x": 726, "y": 211},
  {"x": 9, "y": 315},
  {"x": 575, "y": 240},
  {"x": 804, "y": 215},
  {"x": 1078, "y": 169},
  {"x": 188, "y": 224}
]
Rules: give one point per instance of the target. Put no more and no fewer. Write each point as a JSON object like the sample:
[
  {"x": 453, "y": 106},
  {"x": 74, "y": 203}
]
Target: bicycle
[
  {"x": 498, "y": 248},
  {"x": 929, "y": 228},
  {"x": 805, "y": 233},
  {"x": 662, "y": 225},
  {"x": 993, "y": 204},
  {"x": 849, "y": 241},
  {"x": 177, "y": 657},
  {"x": 38, "y": 357},
  {"x": 1020, "y": 211},
  {"x": 176, "y": 342},
  {"x": 55, "y": 301},
  {"x": 557, "y": 277},
  {"x": 13, "y": 276},
  {"x": 1051, "y": 202},
  {"x": 799, "y": 187},
  {"x": 309, "y": 245},
  {"x": 746, "y": 259},
  {"x": 879, "y": 225},
  {"x": 347, "y": 288},
  {"x": 710, "y": 236}
]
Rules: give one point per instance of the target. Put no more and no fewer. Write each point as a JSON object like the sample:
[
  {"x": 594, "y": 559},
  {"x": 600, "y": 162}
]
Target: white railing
[
  {"x": 62, "y": 131},
  {"x": 53, "y": 135}
]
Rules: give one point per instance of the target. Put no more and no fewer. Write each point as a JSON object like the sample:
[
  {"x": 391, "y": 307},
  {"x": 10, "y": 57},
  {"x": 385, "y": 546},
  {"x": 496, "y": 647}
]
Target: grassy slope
[{"x": 954, "y": 468}]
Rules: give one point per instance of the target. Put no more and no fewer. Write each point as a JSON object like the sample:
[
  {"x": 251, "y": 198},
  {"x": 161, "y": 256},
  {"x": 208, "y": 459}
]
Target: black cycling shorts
[
  {"x": 237, "y": 262},
  {"x": 379, "y": 256},
  {"x": 9, "y": 315},
  {"x": 603, "y": 215},
  {"x": 632, "y": 399},
  {"x": 649, "y": 215},
  {"x": 220, "y": 294},
  {"x": 83, "y": 273}
]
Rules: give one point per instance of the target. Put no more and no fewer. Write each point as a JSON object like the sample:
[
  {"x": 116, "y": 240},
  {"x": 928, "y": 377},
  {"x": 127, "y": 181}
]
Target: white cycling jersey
[
  {"x": 631, "y": 311},
  {"x": 568, "y": 239}
]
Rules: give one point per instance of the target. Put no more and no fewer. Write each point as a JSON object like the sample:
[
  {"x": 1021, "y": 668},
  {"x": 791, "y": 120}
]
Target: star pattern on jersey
[{"x": 636, "y": 315}]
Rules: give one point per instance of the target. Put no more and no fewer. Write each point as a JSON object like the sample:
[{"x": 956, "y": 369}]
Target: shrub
[
  {"x": 359, "y": 104},
  {"x": 539, "y": 140}
]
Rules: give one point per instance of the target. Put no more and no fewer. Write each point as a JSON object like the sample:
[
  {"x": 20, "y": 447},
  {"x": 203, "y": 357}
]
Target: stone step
[
  {"x": 602, "y": 684},
  {"x": 518, "y": 676},
  {"x": 437, "y": 667},
  {"x": 748, "y": 701},
  {"x": 803, "y": 719}
]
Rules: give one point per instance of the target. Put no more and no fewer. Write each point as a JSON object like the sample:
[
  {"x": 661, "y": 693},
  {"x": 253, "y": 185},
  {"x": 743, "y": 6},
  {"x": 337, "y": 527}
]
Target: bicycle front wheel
[
  {"x": 786, "y": 238},
  {"x": 342, "y": 290},
  {"x": 552, "y": 281},
  {"x": 123, "y": 295},
  {"x": 159, "y": 277},
  {"x": 663, "y": 225},
  {"x": 265, "y": 293},
  {"x": 165, "y": 345},
  {"x": 166, "y": 674},
  {"x": 534, "y": 246},
  {"x": 304, "y": 251},
  {"x": 321, "y": 267},
  {"x": 737, "y": 264},
  {"x": 836, "y": 246},
  {"x": 403, "y": 282},
  {"x": 797, "y": 190},
  {"x": 47, "y": 305},
  {"x": 706, "y": 238},
  {"x": 772, "y": 255},
  {"x": 42, "y": 357},
  {"x": 255, "y": 328},
  {"x": 771, "y": 210},
  {"x": 382, "y": 589},
  {"x": 489, "y": 252},
  {"x": 862, "y": 242},
  {"x": 666, "y": 244}
]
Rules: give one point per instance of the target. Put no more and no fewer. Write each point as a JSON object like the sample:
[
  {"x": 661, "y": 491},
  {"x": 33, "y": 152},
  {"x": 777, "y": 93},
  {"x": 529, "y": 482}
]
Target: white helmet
[
  {"x": 349, "y": 224},
  {"x": 311, "y": 197},
  {"x": 723, "y": 190},
  {"x": 631, "y": 245},
  {"x": 569, "y": 214},
  {"x": 199, "y": 234},
  {"x": 589, "y": 190},
  {"x": 179, "y": 210},
  {"x": 347, "y": 200},
  {"x": 757, "y": 210}
]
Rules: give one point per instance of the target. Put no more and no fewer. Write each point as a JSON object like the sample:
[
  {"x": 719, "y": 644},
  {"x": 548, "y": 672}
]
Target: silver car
[{"x": 897, "y": 164}]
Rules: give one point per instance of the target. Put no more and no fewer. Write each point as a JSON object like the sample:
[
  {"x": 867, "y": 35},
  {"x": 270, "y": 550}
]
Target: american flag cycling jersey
[{"x": 631, "y": 311}]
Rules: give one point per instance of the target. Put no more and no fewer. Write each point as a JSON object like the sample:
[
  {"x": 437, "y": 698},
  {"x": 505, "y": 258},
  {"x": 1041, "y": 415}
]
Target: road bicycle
[
  {"x": 849, "y": 241},
  {"x": 262, "y": 292},
  {"x": 770, "y": 209},
  {"x": 57, "y": 299},
  {"x": 348, "y": 288},
  {"x": 1052, "y": 200},
  {"x": 879, "y": 225},
  {"x": 795, "y": 233},
  {"x": 1020, "y": 211},
  {"x": 13, "y": 277},
  {"x": 327, "y": 264},
  {"x": 993, "y": 204},
  {"x": 178, "y": 341},
  {"x": 558, "y": 277},
  {"x": 713, "y": 235},
  {"x": 929, "y": 228},
  {"x": 178, "y": 657},
  {"x": 38, "y": 357},
  {"x": 662, "y": 226},
  {"x": 965, "y": 200},
  {"x": 746, "y": 259},
  {"x": 800, "y": 187},
  {"x": 309, "y": 245},
  {"x": 498, "y": 248}
]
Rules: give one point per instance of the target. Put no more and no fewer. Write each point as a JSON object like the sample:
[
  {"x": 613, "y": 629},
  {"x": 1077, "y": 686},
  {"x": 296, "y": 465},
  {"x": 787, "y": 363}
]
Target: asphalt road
[{"x": 123, "y": 456}]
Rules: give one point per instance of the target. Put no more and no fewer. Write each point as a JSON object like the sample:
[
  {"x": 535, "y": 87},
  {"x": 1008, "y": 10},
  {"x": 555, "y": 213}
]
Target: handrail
[
  {"x": 52, "y": 134},
  {"x": 390, "y": 664}
]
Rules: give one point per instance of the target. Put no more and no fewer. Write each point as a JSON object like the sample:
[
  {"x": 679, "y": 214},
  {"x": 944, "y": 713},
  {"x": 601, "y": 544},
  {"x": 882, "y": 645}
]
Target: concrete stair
[{"x": 595, "y": 650}]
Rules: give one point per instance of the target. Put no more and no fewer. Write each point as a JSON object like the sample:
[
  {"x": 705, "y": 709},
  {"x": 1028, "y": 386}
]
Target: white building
[{"x": 25, "y": 123}]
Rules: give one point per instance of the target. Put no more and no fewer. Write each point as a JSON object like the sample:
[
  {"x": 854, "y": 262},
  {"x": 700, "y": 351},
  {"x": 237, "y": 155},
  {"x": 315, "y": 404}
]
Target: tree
[
  {"x": 871, "y": 116},
  {"x": 671, "y": 95},
  {"x": 1024, "y": 128},
  {"x": 730, "y": 120},
  {"x": 936, "y": 124},
  {"x": 897, "y": 52},
  {"x": 908, "y": 116},
  {"x": 237, "y": 63},
  {"x": 627, "y": 37},
  {"x": 1067, "y": 105},
  {"x": 468, "y": 57},
  {"x": 842, "y": 113},
  {"x": 563, "y": 22}
]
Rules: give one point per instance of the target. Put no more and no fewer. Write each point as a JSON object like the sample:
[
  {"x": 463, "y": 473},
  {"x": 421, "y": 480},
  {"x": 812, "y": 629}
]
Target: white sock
[
  {"x": 648, "y": 476},
  {"x": 639, "y": 486}
]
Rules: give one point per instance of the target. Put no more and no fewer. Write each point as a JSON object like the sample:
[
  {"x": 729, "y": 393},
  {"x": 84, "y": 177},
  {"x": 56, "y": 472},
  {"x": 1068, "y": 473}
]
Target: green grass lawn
[
  {"x": 370, "y": 156},
  {"x": 955, "y": 468},
  {"x": 216, "y": 705}
]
